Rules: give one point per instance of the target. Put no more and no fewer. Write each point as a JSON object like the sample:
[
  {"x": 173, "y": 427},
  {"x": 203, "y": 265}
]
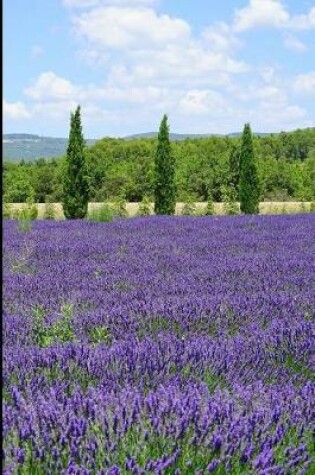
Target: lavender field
[{"x": 160, "y": 345}]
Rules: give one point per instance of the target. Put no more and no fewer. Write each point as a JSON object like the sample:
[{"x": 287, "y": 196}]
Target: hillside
[
  {"x": 29, "y": 147},
  {"x": 175, "y": 137}
]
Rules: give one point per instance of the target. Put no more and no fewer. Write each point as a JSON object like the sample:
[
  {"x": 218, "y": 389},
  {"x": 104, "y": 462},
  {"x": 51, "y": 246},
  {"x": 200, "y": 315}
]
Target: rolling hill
[{"x": 29, "y": 147}]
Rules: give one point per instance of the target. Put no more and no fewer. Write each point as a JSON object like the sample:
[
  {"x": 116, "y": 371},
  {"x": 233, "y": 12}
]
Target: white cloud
[
  {"x": 276, "y": 112},
  {"x": 55, "y": 110},
  {"x": 15, "y": 110},
  {"x": 203, "y": 102},
  {"x": 154, "y": 63},
  {"x": 272, "y": 13},
  {"x": 268, "y": 74},
  {"x": 220, "y": 37},
  {"x": 304, "y": 21},
  {"x": 261, "y": 92},
  {"x": 305, "y": 83},
  {"x": 120, "y": 28},
  {"x": 50, "y": 86},
  {"x": 294, "y": 44},
  {"x": 261, "y": 13},
  {"x": 155, "y": 50}
]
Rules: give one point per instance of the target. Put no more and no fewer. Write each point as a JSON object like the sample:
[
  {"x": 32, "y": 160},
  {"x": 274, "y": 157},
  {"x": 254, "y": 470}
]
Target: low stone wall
[{"x": 271, "y": 207}]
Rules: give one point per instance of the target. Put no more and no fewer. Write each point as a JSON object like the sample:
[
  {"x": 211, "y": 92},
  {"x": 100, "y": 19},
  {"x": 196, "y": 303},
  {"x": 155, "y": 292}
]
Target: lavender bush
[{"x": 159, "y": 345}]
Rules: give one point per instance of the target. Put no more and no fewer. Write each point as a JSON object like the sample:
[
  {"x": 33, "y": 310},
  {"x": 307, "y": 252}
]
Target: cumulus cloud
[
  {"x": 50, "y": 86},
  {"x": 261, "y": 13},
  {"x": 155, "y": 63},
  {"x": 59, "y": 110},
  {"x": 294, "y": 44},
  {"x": 271, "y": 13},
  {"x": 220, "y": 37},
  {"x": 120, "y": 28},
  {"x": 15, "y": 110},
  {"x": 304, "y": 21},
  {"x": 203, "y": 102},
  {"x": 305, "y": 83},
  {"x": 155, "y": 50}
]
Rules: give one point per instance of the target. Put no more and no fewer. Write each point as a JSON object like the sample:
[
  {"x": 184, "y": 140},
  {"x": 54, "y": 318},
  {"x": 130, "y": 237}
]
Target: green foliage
[
  {"x": 165, "y": 197},
  {"x": 234, "y": 165},
  {"x": 103, "y": 214},
  {"x": 118, "y": 167},
  {"x": 24, "y": 225},
  {"x": 209, "y": 211},
  {"x": 229, "y": 199},
  {"x": 49, "y": 212},
  {"x": 6, "y": 211},
  {"x": 312, "y": 207},
  {"x": 75, "y": 189},
  {"x": 145, "y": 208},
  {"x": 189, "y": 208},
  {"x": 61, "y": 330},
  {"x": 25, "y": 215},
  {"x": 98, "y": 335},
  {"x": 119, "y": 208},
  {"x": 303, "y": 208},
  {"x": 249, "y": 182},
  {"x": 29, "y": 212}
]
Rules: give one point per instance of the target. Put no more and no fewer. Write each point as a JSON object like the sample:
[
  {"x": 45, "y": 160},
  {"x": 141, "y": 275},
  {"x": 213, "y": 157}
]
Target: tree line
[{"x": 204, "y": 168}]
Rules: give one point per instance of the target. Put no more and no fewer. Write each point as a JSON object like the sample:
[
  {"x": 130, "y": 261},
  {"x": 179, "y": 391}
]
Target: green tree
[
  {"x": 248, "y": 183},
  {"x": 234, "y": 165},
  {"x": 75, "y": 185},
  {"x": 165, "y": 198}
]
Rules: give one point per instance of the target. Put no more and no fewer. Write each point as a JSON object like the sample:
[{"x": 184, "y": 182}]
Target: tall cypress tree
[
  {"x": 165, "y": 193},
  {"x": 75, "y": 186},
  {"x": 248, "y": 183}
]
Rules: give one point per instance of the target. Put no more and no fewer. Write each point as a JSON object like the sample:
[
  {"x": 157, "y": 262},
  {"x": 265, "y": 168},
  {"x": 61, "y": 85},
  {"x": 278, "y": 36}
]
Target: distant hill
[
  {"x": 30, "y": 147},
  {"x": 149, "y": 135}
]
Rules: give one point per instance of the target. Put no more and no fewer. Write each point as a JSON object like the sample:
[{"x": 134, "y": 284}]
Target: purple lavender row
[{"x": 160, "y": 345}]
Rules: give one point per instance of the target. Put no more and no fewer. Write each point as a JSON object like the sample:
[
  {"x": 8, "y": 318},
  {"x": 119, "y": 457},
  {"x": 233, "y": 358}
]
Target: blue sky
[{"x": 211, "y": 66}]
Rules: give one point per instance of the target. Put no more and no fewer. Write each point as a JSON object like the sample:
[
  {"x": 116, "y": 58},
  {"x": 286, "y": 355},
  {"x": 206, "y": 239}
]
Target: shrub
[
  {"x": 209, "y": 210},
  {"x": 189, "y": 208},
  {"x": 28, "y": 212},
  {"x": 145, "y": 207},
  {"x": 230, "y": 205},
  {"x": 49, "y": 212},
  {"x": 104, "y": 214},
  {"x": 303, "y": 208},
  {"x": 119, "y": 208},
  {"x": 6, "y": 211}
]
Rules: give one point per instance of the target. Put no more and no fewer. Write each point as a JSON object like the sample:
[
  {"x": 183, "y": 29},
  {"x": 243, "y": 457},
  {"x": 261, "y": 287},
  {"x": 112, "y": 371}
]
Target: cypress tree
[
  {"x": 75, "y": 185},
  {"x": 248, "y": 182},
  {"x": 165, "y": 193}
]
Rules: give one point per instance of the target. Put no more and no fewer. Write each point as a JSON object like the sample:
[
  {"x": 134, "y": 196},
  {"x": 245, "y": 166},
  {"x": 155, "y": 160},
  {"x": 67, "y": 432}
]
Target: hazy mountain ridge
[
  {"x": 18, "y": 146},
  {"x": 30, "y": 146}
]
